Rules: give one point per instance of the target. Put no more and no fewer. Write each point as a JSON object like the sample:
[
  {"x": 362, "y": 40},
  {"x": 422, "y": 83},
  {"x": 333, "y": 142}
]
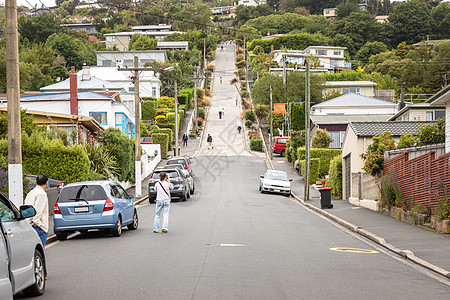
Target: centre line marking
[{"x": 232, "y": 245}]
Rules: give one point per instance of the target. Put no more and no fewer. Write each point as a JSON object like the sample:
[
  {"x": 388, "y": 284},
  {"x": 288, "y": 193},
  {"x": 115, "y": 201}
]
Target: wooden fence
[{"x": 421, "y": 180}]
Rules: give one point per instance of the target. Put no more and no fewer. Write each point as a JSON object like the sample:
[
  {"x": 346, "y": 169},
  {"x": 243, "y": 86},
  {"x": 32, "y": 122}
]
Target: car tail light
[
  {"x": 109, "y": 205},
  {"x": 56, "y": 210},
  {"x": 151, "y": 180},
  {"x": 178, "y": 179}
]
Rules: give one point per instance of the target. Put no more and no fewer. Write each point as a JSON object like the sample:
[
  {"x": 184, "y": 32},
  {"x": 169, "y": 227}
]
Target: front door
[{"x": 347, "y": 176}]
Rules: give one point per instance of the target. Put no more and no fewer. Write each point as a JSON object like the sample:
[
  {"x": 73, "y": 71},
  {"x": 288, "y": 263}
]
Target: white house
[
  {"x": 365, "y": 88},
  {"x": 443, "y": 98},
  {"x": 122, "y": 39},
  {"x": 126, "y": 58},
  {"x": 152, "y": 28},
  {"x": 251, "y": 2},
  {"x": 328, "y": 57}
]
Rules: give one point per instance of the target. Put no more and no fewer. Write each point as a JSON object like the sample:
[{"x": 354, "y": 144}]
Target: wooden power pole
[
  {"x": 15, "y": 174},
  {"x": 307, "y": 130}
]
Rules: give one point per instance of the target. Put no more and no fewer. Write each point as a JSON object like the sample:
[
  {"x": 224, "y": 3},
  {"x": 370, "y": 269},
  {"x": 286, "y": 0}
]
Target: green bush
[
  {"x": 407, "y": 140},
  {"x": 161, "y": 119},
  {"x": 297, "y": 140},
  {"x": 170, "y": 118},
  {"x": 51, "y": 157},
  {"x": 149, "y": 109},
  {"x": 325, "y": 156},
  {"x": 432, "y": 133},
  {"x": 249, "y": 115},
  {"x": 248, "y": 123},
  {"x": 121, "y": 147},
  {"x": 374, "y": 155},
  {"x": 201, "y": 113},
  {"x": 335, "y": 176},
  {"x": 313, "y": 169},
  {"x": 163, "y": 140},
  {"x": 168, "y": 131},
  {"x": 256, "y": 145},
  {"x": 183, "y": 99},
  {"x": 321, "y": 139},
  {"x": 167, "y": 102}
]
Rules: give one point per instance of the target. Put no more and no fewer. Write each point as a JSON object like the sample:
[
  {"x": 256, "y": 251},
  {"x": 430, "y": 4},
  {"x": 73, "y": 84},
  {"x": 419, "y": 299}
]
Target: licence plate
[
  {"x": 81, "y": 209},
  {"x": 277, "y": 191}
]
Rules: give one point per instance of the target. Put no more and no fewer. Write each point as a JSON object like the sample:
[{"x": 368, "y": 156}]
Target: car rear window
[
  {"x": 177, "y": 161},
  {"x": 86, "y": 192},
  {"x": 172, "y": 174},
  {"x": 282, "y": 141},
  {"x": 146, "y": 140}
]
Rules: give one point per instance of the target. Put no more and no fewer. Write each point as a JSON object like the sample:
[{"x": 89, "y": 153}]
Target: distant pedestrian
[
  {"x": 220, "y": 114},
  {"x": 223, "y": 112},
  {"x": 236, "y": 101},
  {"x": 221, "y": 47},
  {"x": 209, "y": 140},
  {"x": 163, "y": 187},
  {"x": 220, "y": 78},
  {"x": 239, "y": 128},
  {"x": 185, "y": 139},
  {"x": 37, "y": 197}
]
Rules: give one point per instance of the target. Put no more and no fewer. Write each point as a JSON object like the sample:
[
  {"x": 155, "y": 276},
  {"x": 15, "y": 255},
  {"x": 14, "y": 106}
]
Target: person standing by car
[
  {"x": 38, "y": 198},
  {"x": 163, "y": 187},
  {"x": 209, "y": 140}
]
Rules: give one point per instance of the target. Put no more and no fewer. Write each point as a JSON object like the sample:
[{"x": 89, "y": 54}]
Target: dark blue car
[{"x": 89, "y": 205}]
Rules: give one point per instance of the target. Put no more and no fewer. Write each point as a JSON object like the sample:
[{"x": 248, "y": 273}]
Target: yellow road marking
[{"x": 353, "y": 250}]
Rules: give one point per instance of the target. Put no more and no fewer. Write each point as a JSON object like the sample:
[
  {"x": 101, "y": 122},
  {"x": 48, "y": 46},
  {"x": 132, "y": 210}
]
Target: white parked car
[
  {"x": 275, "y": 182},
  {"x": 22, "y": 260}
]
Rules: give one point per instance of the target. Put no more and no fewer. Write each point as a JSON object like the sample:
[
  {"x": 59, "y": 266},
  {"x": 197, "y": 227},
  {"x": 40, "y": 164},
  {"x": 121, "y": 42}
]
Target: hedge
[
  {"x": 51, "y": 157},
  {"x": 249, "y": 115},
  {"x": 183, "y": 99},
  {"x": 167, "y": 131},
  {"x": 325, "y": 156},
  {"x": 149, "y": 109},
  {"x": 201, "y": 113},
  {"x": 313, "y": 169},
  {"x": 163, "y": 140},
  {"x": 335, "y": 176},
  {"x": 256, "y": 145}
]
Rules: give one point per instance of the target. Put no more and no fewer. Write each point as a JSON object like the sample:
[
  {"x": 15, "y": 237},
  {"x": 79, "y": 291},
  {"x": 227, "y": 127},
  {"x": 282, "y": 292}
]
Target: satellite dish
[{"x": 58, "y": 79}]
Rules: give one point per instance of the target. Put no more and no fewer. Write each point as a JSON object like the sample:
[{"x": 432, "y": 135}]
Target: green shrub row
[
  {"x": 163, "y": 140},
  {"x": 249, "y": 115},
  {"x": 335, "y": 176},
  {"x": 148, "y": 109},
  {"x": 325, "y": 156},
  {"x": 313, "y": 169},
  {"x": 256, "y": 145},
  {"x": 51, "y": 157},
  {"x": 155, "y": 129}
]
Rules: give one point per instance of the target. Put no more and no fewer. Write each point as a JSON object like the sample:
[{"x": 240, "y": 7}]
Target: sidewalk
[{"x": 425, "y": 245}]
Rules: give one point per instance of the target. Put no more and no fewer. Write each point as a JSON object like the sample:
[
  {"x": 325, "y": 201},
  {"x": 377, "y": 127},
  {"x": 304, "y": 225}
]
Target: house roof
[
  {"x": 349, "y": 83},
  {"x": 346, "y": 119},
  {"x": 93, "y": 83},
  {"x": 441, "y": 97},
  {"x": 86, "y": 95},
  {"x": 416, "y": 106},
  {"x": 370, "y": 129},
  {"x": 352, "y": 99},
  {"x": 117, "y": 78}
]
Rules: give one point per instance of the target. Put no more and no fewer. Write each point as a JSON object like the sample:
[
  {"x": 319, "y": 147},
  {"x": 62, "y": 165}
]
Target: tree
[
  {"x": 142, "y": 42},
  {"x": 292, "y": 41},
  {"x": 298, "y": 116},
  {"x": 369, "y": 49},
  {"x": 411, "y": 21},
  {"x": 321, "y": 139},
  {"x": 441, "y": 21},
  {"x": 38, "y": 28},
  {"x": 194, "y": 16},
  {"x": 74, "y": 50},
  {"x": 250, "y": 33},
  {"x": 374, "y": 155},
  {"x": 344, "y": 9},
  {"x": 278, "y": 23},
  {"x": 152, "y": 15},
  {"x": 119, "y": 4}
]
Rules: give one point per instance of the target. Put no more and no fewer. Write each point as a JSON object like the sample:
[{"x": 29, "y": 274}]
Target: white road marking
[{"x": 232, "y": 245}]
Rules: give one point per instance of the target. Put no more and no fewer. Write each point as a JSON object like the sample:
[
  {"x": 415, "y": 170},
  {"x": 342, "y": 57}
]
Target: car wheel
[
  {"x": 183, "y": 197},
  {"x": 151, "y": 200},
  {"x": 61, "y": 236},
  {"x": 117, "y": 230},
  {"x": 135, "y": 223},
  {"x": 282, "y": 153},
  {"x": 259, "y": 188},
  {"x": 38, "y": 287}
]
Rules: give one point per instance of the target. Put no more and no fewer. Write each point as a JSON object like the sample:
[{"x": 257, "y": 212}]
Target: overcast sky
[{"x": 32, "y": 2}]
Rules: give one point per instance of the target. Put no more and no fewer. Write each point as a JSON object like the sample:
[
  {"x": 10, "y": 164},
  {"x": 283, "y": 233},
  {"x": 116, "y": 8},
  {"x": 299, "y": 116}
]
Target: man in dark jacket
[{"x": 209, "y": 140}]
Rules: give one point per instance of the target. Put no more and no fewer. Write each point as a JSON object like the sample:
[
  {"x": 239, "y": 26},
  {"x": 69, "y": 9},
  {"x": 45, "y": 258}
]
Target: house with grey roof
[
  {"x": 334, "y": 115},
  {"x": 419, "y": 112},
  {"x": 356, "y": 184},
  {"x": 443, "y": 98}
]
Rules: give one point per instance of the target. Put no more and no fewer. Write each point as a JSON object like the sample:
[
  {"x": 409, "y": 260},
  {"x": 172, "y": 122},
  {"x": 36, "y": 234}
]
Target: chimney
[
  {"x": 402, "y": 97},
  {"x": 73, "y": 92}
]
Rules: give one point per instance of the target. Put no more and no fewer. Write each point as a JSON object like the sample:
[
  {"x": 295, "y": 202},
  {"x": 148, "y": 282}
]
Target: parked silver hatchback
[{"x": 22, "y": 260}]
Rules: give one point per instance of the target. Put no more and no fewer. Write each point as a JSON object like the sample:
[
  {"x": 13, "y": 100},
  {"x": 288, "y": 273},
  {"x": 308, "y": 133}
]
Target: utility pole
[
  {"x": 204, "y": 53},
  {"x": 195, "y": 100},
  {"x": 15, "y": 174},
  {"x": 307, "y": 130},
  {"x": 246, "y": 66},
  {"x": 271, "y": 125},
  {"x": 284, "y": 70},
  {"x": 176, "y": 119}
]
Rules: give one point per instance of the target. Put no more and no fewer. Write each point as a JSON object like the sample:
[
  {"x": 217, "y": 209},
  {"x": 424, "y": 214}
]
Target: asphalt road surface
[{"x": 231, "y": 242}]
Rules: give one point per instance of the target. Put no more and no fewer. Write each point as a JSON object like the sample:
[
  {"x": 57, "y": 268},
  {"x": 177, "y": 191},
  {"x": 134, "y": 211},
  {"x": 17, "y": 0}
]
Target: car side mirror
[
  {"x": 261, "y": 176},
  {"x": 290, "y": 179},
  {"x": 27, "y": 211},
  {"x": 131, "y": 196}
]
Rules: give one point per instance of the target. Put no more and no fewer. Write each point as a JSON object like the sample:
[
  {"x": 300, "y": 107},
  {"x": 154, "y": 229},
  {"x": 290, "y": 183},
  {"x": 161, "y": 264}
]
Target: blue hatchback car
[{"x": 82, "y": 206}]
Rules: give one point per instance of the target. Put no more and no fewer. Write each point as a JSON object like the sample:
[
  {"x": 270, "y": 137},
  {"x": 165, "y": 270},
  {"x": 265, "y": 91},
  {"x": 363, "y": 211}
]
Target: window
[
  {"x": 154, "y": 92},
  {"x": 131, "y": 89},
  {"x": 107, "y": 63},
  {"x": 282, "y": 141},
  {"x": 356, "y": 90},
  {"x": 111, "y": 38},
  {"x": 337, "y": 53},
  {"x": 100, "y": 117},
  {"x": 86, "y": 192},
  {"x": 405, "y": 117},
  {"x": 128, "y": 62},
  {"x": 147, "y": 60},
  {"x": 433, "y": 115},
  {"x": 6, "y": 214},
  {"x": 321, "y": 52}
]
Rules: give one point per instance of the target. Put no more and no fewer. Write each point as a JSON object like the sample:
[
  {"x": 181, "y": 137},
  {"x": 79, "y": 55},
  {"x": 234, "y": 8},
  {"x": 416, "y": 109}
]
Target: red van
[{"x": 279, "y": 144}]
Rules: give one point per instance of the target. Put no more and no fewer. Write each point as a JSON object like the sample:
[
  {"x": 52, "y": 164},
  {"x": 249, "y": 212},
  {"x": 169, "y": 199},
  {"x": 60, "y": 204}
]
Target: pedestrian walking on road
[
  {"x": 236, "y": 101},
  {"x": 209, "y": 140},
  {"x": 220, "y": 78},
  {"x": 220, "y": 114},
  {"x": 223, "y": 112},
  {"x": 239, "y": 128},
  {"x": 185, "y": 139},
  {"x": 37, "y": 197},
  {"x": 163, "y": 187}
]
